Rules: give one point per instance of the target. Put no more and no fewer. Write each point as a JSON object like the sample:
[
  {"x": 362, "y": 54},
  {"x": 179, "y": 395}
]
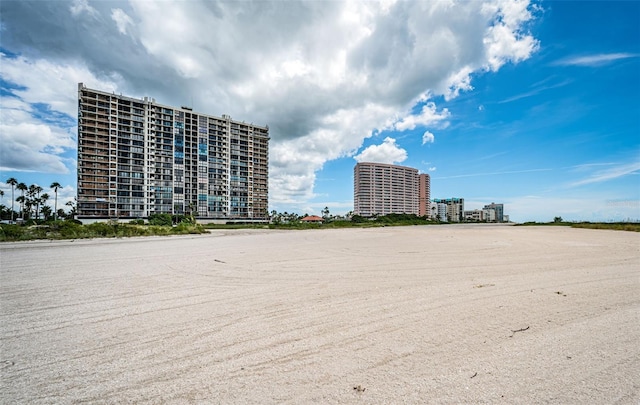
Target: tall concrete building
[
  {"x": 381, "y": 189},
  {"x": 137, "y": 157},
  {"x": 424, "y": 195}
]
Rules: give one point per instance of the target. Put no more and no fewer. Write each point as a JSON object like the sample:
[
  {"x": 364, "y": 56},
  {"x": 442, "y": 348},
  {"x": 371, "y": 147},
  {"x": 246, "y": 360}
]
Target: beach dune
[{"x": 422, "y": 314}]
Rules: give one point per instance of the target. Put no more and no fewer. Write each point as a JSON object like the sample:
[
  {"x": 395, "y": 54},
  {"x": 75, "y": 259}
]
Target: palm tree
[
  {"x": 42, "y": 200},
  {"x": 12, "y": 181},
  {"x": 31, "y": 198},
  {"x": 21, "y": 200},
  {"x": 38, "y": 190},
  {"x": 22, "y": 187},
  {"x": 55, "y": 185},
  {"x": 46, "y": 212},
  {"x": 72, "y": 211}
]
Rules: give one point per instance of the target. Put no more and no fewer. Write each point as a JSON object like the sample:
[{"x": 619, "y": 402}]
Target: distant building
[
  {"x": 484, "y": 215},
  {"x": 137, "y": 157},
  {"x": 499, "y": 211},
  {"x": 424, "y": 195},
  {"x": 474, "y": 216},
  {"x": 382, "y": 189},
  {"x": 439, "y": 211},
  {"x": 455, "y": 208}
]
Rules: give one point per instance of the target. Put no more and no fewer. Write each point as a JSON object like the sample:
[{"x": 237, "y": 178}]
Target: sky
[{"x": 533, "y": 104}]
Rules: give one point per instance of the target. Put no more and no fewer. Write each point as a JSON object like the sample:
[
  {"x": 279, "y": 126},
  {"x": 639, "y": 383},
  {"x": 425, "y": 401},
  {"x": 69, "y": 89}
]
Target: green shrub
[
  {"x": 160, "y": 219},
  {"x": 185, "y": 228},
  {"x": 11, "y": 232},
  {"x": 99, "y": 229},
  {"x": 67, "y": 229}
]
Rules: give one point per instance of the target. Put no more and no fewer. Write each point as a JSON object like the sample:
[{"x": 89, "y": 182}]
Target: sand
[{"x": 435, "y": 314}]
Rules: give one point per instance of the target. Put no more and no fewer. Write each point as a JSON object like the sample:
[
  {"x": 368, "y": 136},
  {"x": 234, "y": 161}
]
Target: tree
[
  {"x": 42, "y": 200},
  {"x": 37, "y": 200},
  {"x": 557, "y": 220},
  {"x": 12, "y": 181},
  {"x": 325, "y": 213},
  {"x": 55, "y": 186},
  {"x": 22, "y": 187},
  {"x": 21, "y": 200},
  {"x": 47, "y": 213},
  {"x": 72, "y": 211}
]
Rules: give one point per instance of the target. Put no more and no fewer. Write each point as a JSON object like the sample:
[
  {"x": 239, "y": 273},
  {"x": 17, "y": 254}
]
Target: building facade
[
  {"x": 424, "y": 195},
  {"x": 499, "y": 211},
  {"x": 137, "y": 157},
  {"x": 455, "y": 208},
  {"x": 439, "y": 212},
  {"x": 484, "y": 215},
  {"x": 381, "y": 189}
]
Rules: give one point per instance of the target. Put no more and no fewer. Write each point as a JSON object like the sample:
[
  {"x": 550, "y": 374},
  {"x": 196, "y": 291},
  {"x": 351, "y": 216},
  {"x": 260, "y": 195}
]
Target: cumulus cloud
[
  {"x": 38, "y": 125},
  {"x": 82, "y": 6},
  {"x": 387, "y": 152},
  {"x": 428, "y": 137},
  {"x": 428, "y": 116},
  {"x": 29, "y": 144},
  {"x": 52, "y": 83},
  {"x": 323, "y": 75},
  {"x": 122, "y": 20}
]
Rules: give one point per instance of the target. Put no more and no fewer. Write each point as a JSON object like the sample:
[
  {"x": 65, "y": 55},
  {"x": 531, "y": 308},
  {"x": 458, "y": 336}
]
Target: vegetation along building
[{"x": 137, "y": 157}]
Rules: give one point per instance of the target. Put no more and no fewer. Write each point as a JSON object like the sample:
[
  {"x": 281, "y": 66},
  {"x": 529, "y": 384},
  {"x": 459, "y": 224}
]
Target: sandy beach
[{"x": 415, "y": 315}]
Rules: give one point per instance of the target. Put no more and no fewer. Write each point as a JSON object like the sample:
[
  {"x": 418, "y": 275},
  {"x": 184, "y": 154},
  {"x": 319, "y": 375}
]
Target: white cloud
[
  {"x": 432, "y": 169},
  {"x": 51, "y": 83},
  {"x": 428, "y": 137},
  {"x": 323, "y": 75},
  {"x": 609, "y": 174},
  {"x": 505, "y": 41},
  {"x": 30, "y": 145},
  {"x": 35, "y": 138},
  {"x": 429, "y": 116},
  {"x": 387, "y": 152},
  {"x": 82, "y": 6},
  {"x": 123, "y": 21},
  {"x": 594, "y": 60}
]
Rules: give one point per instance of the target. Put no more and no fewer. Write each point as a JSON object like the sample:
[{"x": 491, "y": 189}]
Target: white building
[{"x": 455, "y": 208}]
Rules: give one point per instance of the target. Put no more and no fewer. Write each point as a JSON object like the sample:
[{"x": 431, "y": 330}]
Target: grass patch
[
  {"x": 614, "y": 226},
  {"x": 71, "y": 230}
]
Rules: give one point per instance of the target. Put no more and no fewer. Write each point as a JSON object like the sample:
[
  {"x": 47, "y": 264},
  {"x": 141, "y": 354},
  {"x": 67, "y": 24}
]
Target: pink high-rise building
[
  {"x": 424, "y": 195},
  {"x": 381, "y": 189}
]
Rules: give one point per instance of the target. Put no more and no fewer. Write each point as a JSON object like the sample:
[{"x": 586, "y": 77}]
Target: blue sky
[{"x": 531, "y": 104}]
